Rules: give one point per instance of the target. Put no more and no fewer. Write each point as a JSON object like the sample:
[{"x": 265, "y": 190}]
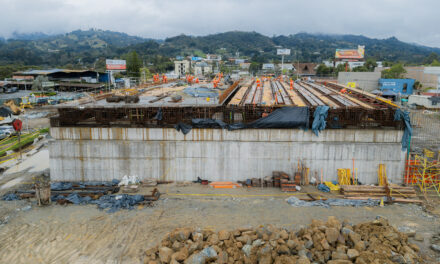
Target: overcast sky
[{"x": 414, "y": 21}]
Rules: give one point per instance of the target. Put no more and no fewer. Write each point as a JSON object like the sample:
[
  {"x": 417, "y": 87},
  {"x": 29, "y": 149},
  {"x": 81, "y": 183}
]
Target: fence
[{"x": 426, "y": 130}]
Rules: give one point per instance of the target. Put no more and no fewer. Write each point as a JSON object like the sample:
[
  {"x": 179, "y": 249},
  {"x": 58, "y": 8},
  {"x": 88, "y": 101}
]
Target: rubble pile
[{"x": 330, "y": 242}]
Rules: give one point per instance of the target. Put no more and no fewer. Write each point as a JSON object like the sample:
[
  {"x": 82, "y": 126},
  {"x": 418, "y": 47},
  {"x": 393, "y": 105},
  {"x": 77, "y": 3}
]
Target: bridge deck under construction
[{"x": 242, "y": 102}]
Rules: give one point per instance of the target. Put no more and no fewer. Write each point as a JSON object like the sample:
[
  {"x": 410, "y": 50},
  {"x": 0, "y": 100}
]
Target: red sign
[{"x": 17, "y": 124}]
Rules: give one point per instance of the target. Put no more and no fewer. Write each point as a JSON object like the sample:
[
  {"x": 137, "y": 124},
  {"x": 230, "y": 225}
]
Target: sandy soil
[{"x": 83, "y": 234}]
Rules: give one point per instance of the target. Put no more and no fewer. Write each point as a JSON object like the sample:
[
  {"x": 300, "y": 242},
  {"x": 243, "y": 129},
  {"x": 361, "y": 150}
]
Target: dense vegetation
[{"x": 89, "y": 49}]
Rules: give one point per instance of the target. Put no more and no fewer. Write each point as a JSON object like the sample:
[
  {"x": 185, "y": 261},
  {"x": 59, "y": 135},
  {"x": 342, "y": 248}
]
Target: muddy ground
[{"x": 84, "y": 234}]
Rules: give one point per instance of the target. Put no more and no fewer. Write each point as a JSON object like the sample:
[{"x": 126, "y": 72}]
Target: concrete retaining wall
[{"x": 216, "y": 154}]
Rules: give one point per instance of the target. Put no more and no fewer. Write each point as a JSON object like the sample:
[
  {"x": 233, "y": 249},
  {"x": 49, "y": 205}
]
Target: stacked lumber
[{"x": 376, "y": 192}]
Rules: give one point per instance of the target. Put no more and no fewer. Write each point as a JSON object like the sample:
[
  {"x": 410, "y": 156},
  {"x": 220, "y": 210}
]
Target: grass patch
[{"x": 26, "y": 140}]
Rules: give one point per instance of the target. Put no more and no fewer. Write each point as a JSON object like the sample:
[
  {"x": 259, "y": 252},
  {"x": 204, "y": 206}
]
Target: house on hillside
[{"x": 306, "y": 69}]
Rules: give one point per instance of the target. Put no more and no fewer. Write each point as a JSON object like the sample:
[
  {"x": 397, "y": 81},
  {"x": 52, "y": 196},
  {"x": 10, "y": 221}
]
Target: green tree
[
  {"x": 431, "y": 58},
  {"x": 435, "y": 63},
  {"x": 395, "y": 72},
  {"x": 133, "y": 64},
  {"x": 341, "y": 68},
  {"x": 254, "y": 67},
  {"x": 37, "y": 84},
  {"x": 145, "y": 74},
  {"x": 370, "y": 64},
  {"x": 323, "y": 70},
  {"x": 361, "y": 69}
]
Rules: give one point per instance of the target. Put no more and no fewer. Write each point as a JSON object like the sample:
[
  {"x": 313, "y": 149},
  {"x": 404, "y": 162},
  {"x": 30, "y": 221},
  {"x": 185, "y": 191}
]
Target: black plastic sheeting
[
  {"x": 208, "y": 123},
  {"x": 319, "y": 117},
  {"x": 184, "y": 128},
  {"x": 5, "y": 112},
  {"x": 404, "y": 115},
  {"x": 285, "y": 117},
  {"x": 434, "y": 99}
]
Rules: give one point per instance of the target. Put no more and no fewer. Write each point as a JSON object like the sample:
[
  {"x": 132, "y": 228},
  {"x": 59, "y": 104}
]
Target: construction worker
[
  {"x": 291, "y": 84},
  {"x": 258, "y": 82},
  {"x": 164, "y": 78},
  {"x": 197, "y": 80},
  {"x": 344, "y": 90}
]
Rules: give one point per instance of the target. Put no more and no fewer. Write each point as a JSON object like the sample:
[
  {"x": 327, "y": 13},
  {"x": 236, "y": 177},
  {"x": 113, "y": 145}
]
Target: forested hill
[{"x": 85, "y": 47}]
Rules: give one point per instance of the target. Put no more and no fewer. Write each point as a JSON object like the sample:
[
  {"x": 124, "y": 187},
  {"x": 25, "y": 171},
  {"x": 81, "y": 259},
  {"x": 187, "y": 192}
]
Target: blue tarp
[
  {"x": 62, "y": 186},
  {"x": 323, "y": 188},
  {"x": 200, "y": 92},
  {"x": 404, "y": 115},
  {"x": 116, "y": 202},
  {"x": 112, "y": 203},
  {"x": 319, "y": 117},
  {"x": 10, "y": 197},
  {"x": 159, "y": 115}
]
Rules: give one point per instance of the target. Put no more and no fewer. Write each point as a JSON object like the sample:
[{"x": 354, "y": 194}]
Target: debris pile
[{"x": 330, "y": 242}]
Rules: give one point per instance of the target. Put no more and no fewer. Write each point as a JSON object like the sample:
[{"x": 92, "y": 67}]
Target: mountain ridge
[{"x": 86, "y": 46}]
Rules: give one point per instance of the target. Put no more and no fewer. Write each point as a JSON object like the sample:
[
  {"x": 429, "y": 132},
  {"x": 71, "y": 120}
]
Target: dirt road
[{"x": 83, "y": 234}]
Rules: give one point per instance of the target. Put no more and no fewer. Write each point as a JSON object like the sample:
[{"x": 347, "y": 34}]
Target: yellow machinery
[
  {"x": 25, "y": 103},
  {"x": 382, "y": 175},
  {"x": 344, "y": 177}
]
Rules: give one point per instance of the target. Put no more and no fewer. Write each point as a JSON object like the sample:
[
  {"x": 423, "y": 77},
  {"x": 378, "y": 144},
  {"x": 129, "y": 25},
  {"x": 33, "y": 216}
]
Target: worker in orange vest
[
  {"x": 164, "y": 78},
  {"x": 197, "y": 80},
  {"x": 344, "y": 90},
  {"x": 291, "y": 84},
  {"x": 258, "y": 82}
]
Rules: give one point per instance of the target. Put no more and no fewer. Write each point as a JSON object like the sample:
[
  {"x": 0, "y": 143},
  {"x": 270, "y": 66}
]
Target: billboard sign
[
  {"x": 119, "y": 65},
  {"x": 196, "y": 59},
  {"x": 283, "y": 51},
  {"x": 350, "y": 53}
]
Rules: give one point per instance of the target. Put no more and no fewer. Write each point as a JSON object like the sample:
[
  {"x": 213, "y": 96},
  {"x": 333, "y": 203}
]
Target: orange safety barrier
[{"x": 224, "y": 185}]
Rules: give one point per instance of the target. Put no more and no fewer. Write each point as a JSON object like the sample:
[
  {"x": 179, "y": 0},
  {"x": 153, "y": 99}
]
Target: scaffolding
[{"x": 424, "y": 172}]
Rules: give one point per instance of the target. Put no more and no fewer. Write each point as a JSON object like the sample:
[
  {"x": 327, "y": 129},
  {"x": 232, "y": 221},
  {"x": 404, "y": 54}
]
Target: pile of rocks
[{"x": 330, "y": 242}]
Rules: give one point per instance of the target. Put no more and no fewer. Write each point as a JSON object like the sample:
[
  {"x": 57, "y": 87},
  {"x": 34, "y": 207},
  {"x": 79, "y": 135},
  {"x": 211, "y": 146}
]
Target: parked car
[{"x": 11, "y": 90}]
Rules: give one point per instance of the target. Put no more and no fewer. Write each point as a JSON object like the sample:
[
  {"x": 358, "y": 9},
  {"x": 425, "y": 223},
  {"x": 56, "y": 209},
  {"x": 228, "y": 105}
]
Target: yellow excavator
[
  {"x": 25, "y": 103},
  {"x": 14, "y": 108}
]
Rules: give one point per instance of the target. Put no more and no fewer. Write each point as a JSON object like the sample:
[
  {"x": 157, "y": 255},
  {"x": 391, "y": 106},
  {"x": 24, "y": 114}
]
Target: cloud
[{"x": 408, "y": 20}]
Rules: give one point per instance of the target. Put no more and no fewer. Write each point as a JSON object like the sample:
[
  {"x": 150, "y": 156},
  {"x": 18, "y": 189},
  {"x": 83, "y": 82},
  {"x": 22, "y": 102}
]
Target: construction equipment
[
  {"x": 344, "y": 177},
  {"x": 25, "y": 103},
  {"x": 14, "y": 108},
  {"x": 382, "y": 175}
]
